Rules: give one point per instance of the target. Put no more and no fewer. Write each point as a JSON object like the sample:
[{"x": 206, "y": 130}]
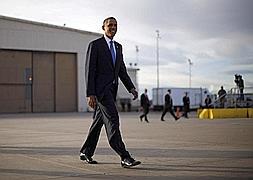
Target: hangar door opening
[
  {"x": 37, "y": 81},
  {"x": 15, "y": 81}
]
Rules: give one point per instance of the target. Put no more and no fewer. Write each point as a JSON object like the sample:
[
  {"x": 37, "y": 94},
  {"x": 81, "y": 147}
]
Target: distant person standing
[
  {"x": 168, "y": 106},
  {"x": 222, "y": 96},
  {"x": 186, "y": 102},
  {"x": 145, "y": 104},
  {"x": 241, "y": 87},
  {"x": 208, "y": 101}
]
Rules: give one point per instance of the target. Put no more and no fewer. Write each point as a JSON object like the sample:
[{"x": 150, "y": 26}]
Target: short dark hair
[
  {"x": 106, "y": 19},
  {"x": 169, "y": 90}
]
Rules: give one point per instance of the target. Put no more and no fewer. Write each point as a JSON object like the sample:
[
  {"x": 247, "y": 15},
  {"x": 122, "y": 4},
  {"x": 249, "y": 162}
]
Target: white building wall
[
  {"x": 196, "y": 95},
  {"x": 26, "y": 35},
  {"x": 122, "y": 91}
]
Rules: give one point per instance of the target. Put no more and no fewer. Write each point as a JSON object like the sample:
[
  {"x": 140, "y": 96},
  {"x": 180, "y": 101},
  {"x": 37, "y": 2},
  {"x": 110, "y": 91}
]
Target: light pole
[
  {"x": 137, "y": 54},
  {"x": 157, "y": 63},
  {"x": 190, "y": 72}
]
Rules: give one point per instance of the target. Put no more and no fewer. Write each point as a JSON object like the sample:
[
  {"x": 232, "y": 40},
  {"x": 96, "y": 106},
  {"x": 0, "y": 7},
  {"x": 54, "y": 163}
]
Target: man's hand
[
  {"x": 134, "y": 93},
  {"x": 91, "y": 101}
]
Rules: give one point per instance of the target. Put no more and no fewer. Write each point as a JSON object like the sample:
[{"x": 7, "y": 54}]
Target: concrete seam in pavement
[{"x": 60, "y": 164}]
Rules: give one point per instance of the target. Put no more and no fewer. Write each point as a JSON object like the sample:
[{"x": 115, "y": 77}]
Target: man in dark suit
[
  {"x": 208, "y": 101},
  {"x": 168, "y": 106},
  {"x": 104, "y": 64},
  {"x": 186, "y": 102},
  {"x": 145, "y": 104}
]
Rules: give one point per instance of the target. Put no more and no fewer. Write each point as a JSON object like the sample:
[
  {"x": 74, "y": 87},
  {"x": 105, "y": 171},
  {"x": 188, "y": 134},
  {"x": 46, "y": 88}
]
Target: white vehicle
[{"x": 197, "y": 97}]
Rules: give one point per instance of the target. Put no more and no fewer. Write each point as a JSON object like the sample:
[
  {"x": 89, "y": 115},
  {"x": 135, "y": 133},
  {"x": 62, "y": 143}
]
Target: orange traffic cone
[{"x": 178, "y": 112}]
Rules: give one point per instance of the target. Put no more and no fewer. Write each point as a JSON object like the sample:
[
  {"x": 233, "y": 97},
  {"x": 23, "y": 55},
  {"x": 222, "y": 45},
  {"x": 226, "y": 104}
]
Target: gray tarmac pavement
[{"x": 46, "y": 146}]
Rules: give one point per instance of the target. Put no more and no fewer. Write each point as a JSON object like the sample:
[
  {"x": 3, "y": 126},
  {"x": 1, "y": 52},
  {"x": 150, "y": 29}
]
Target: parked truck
[{"x": 197, "y": 97}]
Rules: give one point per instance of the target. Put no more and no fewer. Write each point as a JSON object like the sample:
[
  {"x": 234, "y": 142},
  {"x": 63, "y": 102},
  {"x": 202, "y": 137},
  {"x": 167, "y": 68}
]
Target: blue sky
[{"x": 217, "y": 35}]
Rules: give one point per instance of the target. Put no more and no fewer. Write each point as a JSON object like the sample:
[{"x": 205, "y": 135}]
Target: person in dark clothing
[
  {"x": 208, "y": 101},
  {"x": 104, "y": 67},
  {"x": 222, "y": 96},
  {"x": 186, "y": 102},
  {"x": 241, "y": 87},
  {"x": 168, "y": 106},
  {"x": 145, "y": 104}
]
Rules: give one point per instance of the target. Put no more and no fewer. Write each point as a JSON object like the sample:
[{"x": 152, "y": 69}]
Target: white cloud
[{"x": 217, "y": 35}]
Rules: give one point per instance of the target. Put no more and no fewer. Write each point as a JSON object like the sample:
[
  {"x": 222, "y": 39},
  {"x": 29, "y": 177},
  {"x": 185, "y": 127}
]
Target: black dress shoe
[
  {"x": 129, "y": 162},
  {"x": 88, "y": 159}
]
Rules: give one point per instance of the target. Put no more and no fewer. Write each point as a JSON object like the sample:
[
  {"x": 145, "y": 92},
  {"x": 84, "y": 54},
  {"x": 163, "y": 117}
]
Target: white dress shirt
[{"x": 108, "y": 43}]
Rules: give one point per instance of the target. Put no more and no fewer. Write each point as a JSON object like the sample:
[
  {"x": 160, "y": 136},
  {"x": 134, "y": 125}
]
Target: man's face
[{"x": 110, "y": 28}]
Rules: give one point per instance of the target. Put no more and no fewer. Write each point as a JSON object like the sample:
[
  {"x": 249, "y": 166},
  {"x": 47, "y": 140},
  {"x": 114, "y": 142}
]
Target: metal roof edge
[{"x": 48, "y": 25}]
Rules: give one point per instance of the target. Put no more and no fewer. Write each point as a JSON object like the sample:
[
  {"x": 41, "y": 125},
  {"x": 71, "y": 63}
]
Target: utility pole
[
  {"x": 137, "y": 54},
  {"x": 157, "y": 63},
  {"x": 190, "y": 72}
]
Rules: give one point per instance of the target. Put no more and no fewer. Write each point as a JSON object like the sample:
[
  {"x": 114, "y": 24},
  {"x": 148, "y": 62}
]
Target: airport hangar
[{"x": 42, "y": 67}]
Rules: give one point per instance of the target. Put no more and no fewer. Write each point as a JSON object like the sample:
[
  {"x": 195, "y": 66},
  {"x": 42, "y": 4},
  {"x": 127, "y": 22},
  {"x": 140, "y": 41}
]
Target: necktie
[{"x": 112, "y": 52}]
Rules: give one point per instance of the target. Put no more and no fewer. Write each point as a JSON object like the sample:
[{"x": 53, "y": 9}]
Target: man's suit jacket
[
  {"x": 168, "y": 101},
  {"x": 144, "y": 101},
  {"x": 100, "y": 73}
]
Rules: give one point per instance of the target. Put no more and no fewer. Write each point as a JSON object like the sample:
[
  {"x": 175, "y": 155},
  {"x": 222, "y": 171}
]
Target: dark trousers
[
  {"x": 186, "y": 110},
  {"x": 168, "y": 109},
  {"x": 145, "y": 112},
  {"x": 241, "y": 94},
  {"x": 105, "y": 114}
]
